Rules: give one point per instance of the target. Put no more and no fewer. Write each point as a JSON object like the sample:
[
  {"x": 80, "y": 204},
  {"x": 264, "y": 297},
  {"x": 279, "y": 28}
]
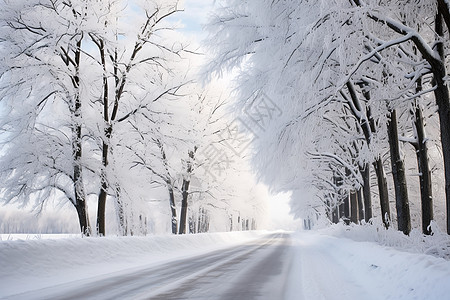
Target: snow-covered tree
[{"x": 367, "y": 56}]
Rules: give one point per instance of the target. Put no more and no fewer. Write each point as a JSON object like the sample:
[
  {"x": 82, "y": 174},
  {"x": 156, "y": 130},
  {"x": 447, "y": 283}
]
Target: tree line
[
  {"x": 364, "y": 93},
  {"x": 100, "y": 104}
]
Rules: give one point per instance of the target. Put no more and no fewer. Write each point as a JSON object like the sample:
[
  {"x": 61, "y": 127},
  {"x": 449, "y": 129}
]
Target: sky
[{"x": 195, "y": 15}]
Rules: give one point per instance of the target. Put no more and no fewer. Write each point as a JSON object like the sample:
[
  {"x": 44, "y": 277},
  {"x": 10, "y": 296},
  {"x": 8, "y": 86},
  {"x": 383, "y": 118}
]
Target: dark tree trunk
[
  {"x": 173, "y": 209},
  {"x": 334, "y": 215},
  {"x": 444, "y": 117},
  {"x": 101, "y": 202},
  {"x": 383, "y": 191},
  {"x": 184, "y": 206},
  {"x": 101, "y": 208},
  {"x": 399, "y": 176},
  {"x": 83, "y": 218},
  {"x": 80, "y": 195},
  {"x": 168, "y": 180},
  {"x": 346, "y": 209},
  {"x": 185, "y": 192},
  {"x": 426, "y": 194},
  {"x": 365, "y": 172},
  {"x": 425, "y": 173},
  {"x": 360, "y": 205},
  {"x": 443, "y": 102}
]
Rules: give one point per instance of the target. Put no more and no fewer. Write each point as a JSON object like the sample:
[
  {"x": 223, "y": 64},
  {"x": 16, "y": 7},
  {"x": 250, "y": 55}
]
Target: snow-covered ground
[
  {"x": 321, "y": 266},
  {"x": 329, "y": 267}
]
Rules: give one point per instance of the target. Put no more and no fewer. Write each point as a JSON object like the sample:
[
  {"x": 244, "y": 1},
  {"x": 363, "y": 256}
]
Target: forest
[{"x": 343, "y": 103}]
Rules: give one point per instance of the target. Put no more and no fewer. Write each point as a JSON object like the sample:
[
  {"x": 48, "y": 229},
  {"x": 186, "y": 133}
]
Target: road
[{"x": 256, "y": 270}]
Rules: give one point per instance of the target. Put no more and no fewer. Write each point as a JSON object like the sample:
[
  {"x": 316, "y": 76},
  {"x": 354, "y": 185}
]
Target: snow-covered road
[
  {"x": 254, "y": 269},
  {"x": 240, "y": 272},
  {"x": 264, "y": 265}
]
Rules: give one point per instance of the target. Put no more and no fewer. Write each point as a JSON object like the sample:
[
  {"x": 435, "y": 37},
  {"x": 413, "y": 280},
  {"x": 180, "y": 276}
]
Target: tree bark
[
  {"x": 399, "y": 176},
  {"x": 346, "y": 208},
  {"x": 383, "y": 191},
  {"x": 168, "y": 180},
  {"x": 80, "y": 195},
  {"x": 443, "y": 102},
  {"x": 360, "y": 205},
  {"x": 365, "y": 172},
  {"x": 173, "y": 209},
  {"x": 101, "y": 204},
  {"x": 185, "y": 192},
  {"x": 184, "y": 206},
  {"x": 103, "y": 193},
  {"x": 353, "y": 206},
  {"x": 421, "y": 147}
]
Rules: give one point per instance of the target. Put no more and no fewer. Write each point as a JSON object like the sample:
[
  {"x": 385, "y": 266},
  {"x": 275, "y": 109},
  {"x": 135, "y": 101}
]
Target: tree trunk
[
  {"x": 184, "y": 206},
  {"x": 443, "y": 102},
  {"x": 425, "y": 174},
  {"x": 168, "y": 180},
  {"x": 383, "y": 191},
  {"x": 185, "y": 192},
  {"x": 360, "y": 206},
  {"x": 334, "y": 215},
  {"x": 399, "y": 176},
  {"x": 423, "y": 167},
  {"x": 353, "y": 206},
  {"x": 101, "y": 202},
  {"x": 103, "y": 193},
  {"x": 346, "y": 209},
  {"x": 80, "y": 195},
  {"x": 101, "y": 207},
  {"x": 122, "y": 214},
  {"x": 83, "y": 218},
  {"x": 173, "y": 209},
  {"x": 365, "y": 172}
]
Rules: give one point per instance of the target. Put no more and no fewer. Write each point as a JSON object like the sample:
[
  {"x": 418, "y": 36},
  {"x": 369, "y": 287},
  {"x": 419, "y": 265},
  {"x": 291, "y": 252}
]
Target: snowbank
[
  {"x": 328, "y": 267},
  {"x": 35, "y": 262},
  {"x": 437, "y": 244}
]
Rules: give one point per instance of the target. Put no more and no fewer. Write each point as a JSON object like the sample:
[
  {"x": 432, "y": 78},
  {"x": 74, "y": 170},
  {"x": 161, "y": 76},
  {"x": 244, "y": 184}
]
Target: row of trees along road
[
  {"x": 98, "y": 104},
  {"x": 363, "y": 87}
]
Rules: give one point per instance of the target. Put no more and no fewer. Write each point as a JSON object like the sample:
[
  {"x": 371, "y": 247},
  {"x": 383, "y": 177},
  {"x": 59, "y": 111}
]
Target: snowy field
[{"x": 321, "y": 264}]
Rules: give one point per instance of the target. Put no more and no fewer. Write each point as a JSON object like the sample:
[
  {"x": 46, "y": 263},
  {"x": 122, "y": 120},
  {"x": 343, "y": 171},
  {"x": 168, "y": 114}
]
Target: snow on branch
[{"x": 327, "y": 155}]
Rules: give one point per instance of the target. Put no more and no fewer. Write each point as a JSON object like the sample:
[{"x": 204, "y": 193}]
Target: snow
[
  {"x": 328, "y": 267},
  {"x": 320, "y": 264}
]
